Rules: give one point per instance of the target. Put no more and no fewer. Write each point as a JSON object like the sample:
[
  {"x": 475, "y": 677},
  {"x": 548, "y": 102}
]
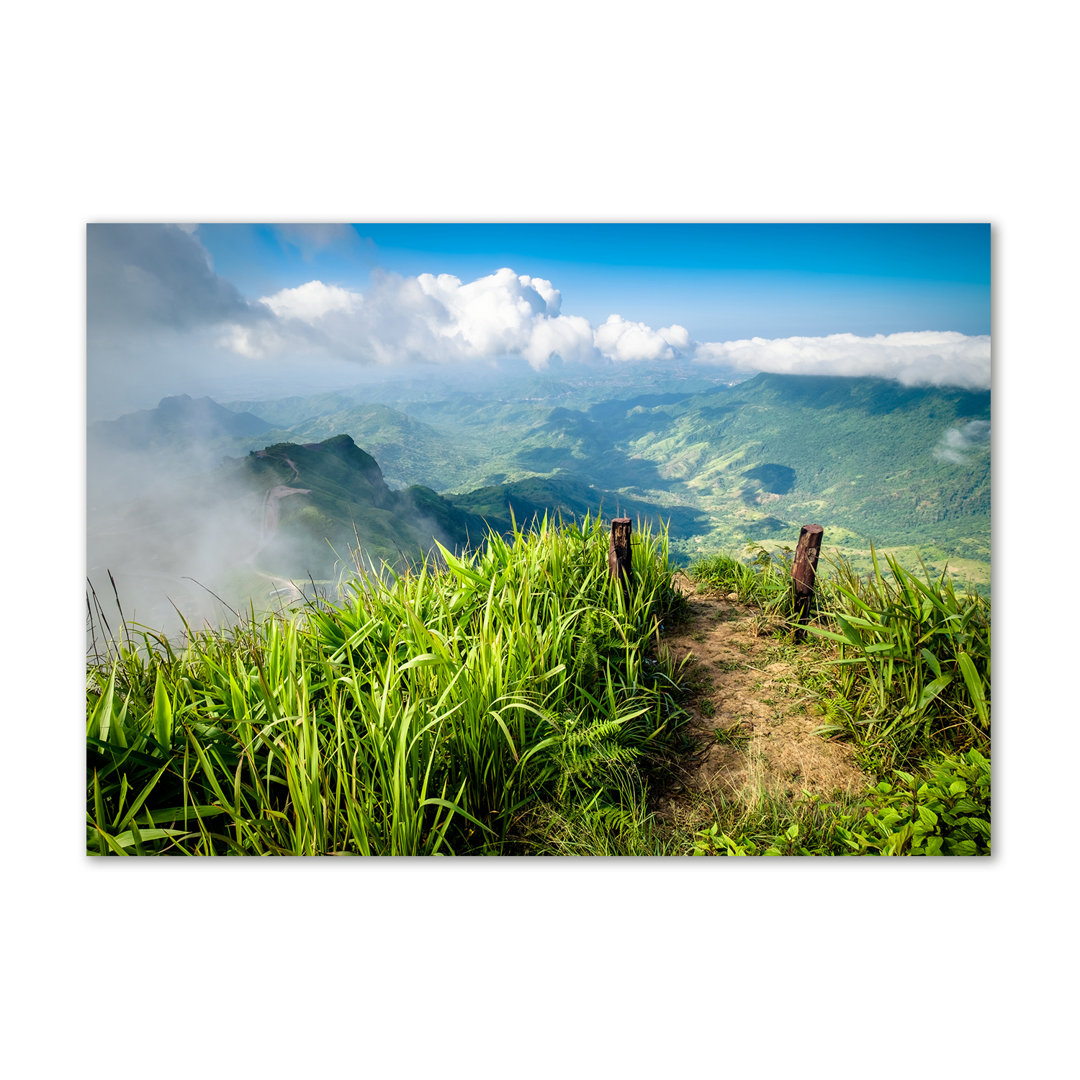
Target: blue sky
[{"x": 721, "y": 281}]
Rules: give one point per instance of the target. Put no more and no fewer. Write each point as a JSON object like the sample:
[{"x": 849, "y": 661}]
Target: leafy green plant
[
  {"x": 947, "y": 813},
  {"x": 712, "y": 841},
  {"x": 913, "y": 663}
]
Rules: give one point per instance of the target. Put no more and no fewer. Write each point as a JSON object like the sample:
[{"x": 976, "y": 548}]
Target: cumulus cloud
[
  {"x": 311, "y": 301},
  {"x": 569, "y": 337},
  {"x": 919, "y": 358},
  {"x": 956, "y": 443},
  {"x": 434, "y": 318},
  {"x": 619, "y": 339}
]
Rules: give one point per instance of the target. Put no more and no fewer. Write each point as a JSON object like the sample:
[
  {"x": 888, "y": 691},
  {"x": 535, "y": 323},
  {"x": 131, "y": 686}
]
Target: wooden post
[
  {"x": 618, "y": 558},
  {"x": 803, "y": 571}
]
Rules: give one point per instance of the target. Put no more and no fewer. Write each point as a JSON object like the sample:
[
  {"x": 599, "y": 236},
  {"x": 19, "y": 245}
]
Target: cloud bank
[
  {"x": 919, "y": 358},
  {"x": 156, "y": 276}
]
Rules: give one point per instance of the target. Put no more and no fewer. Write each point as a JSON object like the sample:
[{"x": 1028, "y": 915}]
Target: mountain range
[{"x": 907, "y": 468}]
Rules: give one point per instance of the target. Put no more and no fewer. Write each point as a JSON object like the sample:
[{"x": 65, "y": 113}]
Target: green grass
[
  {"x": 912, "y": 670},
  {"x": 430, "y": 713},
  {"x": 903, "y": 667},
  {"x": 900, "y": 664},
  {"x": 762, "y": 580}
]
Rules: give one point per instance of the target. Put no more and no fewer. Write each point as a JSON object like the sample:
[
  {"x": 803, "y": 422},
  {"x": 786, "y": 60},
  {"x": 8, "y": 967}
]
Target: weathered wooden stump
[
  {"x": 618, "y": 559},
  {"x": 803, "y": 571}
]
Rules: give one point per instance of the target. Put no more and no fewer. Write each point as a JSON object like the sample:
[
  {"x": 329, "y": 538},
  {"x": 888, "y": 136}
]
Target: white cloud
[
  {"x": 925, "y": 357},
  {"x": 618, "y": 339},
  {"x": 311, "y": 301},
  {"x": 567, "y": 336},
  {"x": 492, "y": 315},
  {"x": 434, "y": 318},
  {"x": 957, "y": 441}
]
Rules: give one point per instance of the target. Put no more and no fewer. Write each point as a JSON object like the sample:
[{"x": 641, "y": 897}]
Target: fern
[{"x": 587, "y": 752}]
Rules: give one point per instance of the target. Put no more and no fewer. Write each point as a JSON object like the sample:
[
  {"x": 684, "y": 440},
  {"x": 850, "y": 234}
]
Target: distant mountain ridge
[
  {"x": 408, "y": 450},
  {"x": 177, "y": 421}
]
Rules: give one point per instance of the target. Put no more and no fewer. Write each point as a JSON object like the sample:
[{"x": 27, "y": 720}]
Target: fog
[{"x": 173, "y": 531}]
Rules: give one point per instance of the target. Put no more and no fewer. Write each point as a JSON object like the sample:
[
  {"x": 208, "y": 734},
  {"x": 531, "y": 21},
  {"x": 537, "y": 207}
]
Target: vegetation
[
  {"x": 720, "y": 465},
  {"x": 762, "y": 580},
  {"x": 946, "y": 813},
  {"x": 431, "y": 713},
  {"x": 913, "y": 669},
  {"x": 515, "y": 701},
  {"x": 903, "y": 671},
  {"x": 512, "y": 700}
]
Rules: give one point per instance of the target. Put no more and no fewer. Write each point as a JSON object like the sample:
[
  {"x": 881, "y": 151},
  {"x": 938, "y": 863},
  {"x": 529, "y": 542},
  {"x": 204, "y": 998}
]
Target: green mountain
[
  {"x": 408, "y": 450},
  {"x": 568, "y": 495},
  {"x": 457, "y": 434},
  {"x": 907, "y": 468},
  {"x": 324, "y": 499}
]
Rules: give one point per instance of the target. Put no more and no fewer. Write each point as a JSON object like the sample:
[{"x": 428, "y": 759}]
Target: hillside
[
  {"x": 563, "y": 493},
  {"x": 333, "y": 496},
  {"x": 905, "y": 467},
  {"x": 517, "y": 701},
  {"x": 866, "y": 456},
  {"x": 408, "y": 450},
  {"x": 179, "y": 535}
]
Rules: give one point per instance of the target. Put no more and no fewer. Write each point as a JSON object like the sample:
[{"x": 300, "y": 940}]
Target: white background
[{"x": 566, "y": 111}]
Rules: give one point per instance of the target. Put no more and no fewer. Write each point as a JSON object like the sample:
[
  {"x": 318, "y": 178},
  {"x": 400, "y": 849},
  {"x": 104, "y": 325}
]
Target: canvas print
[{"x": 651, "y": 539}]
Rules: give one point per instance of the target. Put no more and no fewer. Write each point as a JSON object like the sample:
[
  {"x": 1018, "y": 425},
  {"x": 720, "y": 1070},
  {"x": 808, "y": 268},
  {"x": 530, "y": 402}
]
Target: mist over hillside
[{"x": 188, "y": 529}]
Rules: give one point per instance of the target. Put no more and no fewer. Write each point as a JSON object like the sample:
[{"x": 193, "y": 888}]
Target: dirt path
[{"x": 752, "y": 725}]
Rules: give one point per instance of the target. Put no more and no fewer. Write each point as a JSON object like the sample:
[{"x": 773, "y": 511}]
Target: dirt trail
[{"x": 752, "y": 725}]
